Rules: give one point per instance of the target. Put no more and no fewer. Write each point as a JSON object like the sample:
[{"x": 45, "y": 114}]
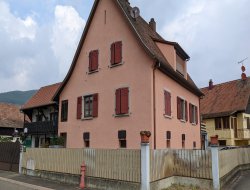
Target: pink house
[{"x": 126, "y": 78}]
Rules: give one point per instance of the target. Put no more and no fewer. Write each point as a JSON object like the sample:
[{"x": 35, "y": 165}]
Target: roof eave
[
  {"x": 179, "y": 79},
  {"x": 78, "y": 50},
  {"x": 37, "y": 106}
]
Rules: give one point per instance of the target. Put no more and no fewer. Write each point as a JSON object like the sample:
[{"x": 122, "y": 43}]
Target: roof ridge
[
  {"x": 223, "y": 83},
  {"x": 50, "y": 85}
]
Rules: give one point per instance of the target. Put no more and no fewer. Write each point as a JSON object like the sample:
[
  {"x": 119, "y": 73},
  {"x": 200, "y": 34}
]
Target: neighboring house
[
  {"x": 11, "y": 119},
  {"x": 225, "y": 110},
  {"x": 42, "y": 113},
  {"x": 126, "y": 78}
]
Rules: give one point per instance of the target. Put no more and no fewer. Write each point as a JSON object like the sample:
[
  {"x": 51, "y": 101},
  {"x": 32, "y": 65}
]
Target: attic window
[{"x": 180, "y": 68}]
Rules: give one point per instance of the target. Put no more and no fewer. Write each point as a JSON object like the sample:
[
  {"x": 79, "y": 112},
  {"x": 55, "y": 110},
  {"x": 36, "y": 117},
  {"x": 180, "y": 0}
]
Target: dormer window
[{"x": 180, "y": 68}]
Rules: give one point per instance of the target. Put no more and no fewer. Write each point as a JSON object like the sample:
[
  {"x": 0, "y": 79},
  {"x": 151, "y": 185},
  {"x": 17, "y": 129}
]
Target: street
[
  {"x": 4, "y": 185},
  {"x": 240, "y": 183}
]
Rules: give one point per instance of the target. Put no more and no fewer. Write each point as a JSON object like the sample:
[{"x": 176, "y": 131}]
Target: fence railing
[
  {"x": 188, "y": 163},
  {"x": 110, "y": 164}
]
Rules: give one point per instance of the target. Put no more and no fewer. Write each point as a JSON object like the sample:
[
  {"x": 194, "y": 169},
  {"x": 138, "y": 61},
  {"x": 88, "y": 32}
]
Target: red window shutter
[
  {"x": 112, "y": 49},
  {"x": 118, "y": 102},
  {"x": 95, "y": 105},
  {"x": 95, "y": 60},
  {"x": 190, "y": 113},
  {"x": 196, "y": 115},
  {"x": 79, "y": 108},
  {"x": 186, "y": 110},
  {"x": 124, "y": 101},
  {"x": 90, "y": 61},
  {"x": 167, "y": 103},
  {"x": 118, "y": 52},
  {"x": 179, "y": 108}
]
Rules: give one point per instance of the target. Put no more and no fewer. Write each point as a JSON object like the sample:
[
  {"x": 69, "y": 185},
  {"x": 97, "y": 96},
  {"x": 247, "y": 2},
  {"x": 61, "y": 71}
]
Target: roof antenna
[{"x": 243, "y": 69}]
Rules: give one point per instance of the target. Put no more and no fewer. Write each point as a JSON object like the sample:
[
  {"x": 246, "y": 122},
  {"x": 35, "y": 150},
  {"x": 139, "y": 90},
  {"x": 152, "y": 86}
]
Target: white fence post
[
  {"x": 145, "y": 161},
  {"x": 215, "y": 167},
  {"x": 21, "y": 159}
]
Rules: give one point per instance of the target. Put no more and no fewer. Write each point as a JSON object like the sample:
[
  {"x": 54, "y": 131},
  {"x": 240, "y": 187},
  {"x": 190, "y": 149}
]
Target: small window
[
  {"x": 122, "y": 135},
  {"x": 39, "y": 117},
  {"x": 194, "y": 145},
  {"x": 218, "y": 123},
  {"x": 122, "y": 101},
  {"x": 167, "y": 98},
  {"x": 86, "y": 139},
  {"x": 182, "y": 109},
  {"x": 183, "y": 138},
  {"x": 168, "y": 134},
  {"x": 90, "y": 106},
  {"x": 226, "y": 124},
  {"x": 93, "y": 60},
  {"x": 248, "y": 122},
  {"x": 193, "y": 114},
  {"x": 116, "y": 53},
  {"x": 64, "y": 110}
]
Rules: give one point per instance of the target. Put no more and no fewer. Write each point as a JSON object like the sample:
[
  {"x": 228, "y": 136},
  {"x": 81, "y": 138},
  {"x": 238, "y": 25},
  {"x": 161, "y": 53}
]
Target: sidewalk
[{"x": 34, "y": 182}]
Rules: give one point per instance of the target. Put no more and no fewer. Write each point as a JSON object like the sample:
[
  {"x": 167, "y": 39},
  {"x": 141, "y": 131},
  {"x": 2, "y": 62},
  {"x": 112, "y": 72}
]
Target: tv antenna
[
  {"x": 242, "y": 61},
  {"x": 135, "y": 12}
]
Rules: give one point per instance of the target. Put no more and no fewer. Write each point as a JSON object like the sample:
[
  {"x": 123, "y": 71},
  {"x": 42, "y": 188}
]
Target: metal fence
[
  {"x": 9, "y": 156},
  {"x": 110, "y": 164},
  {"x": 187, "y": 163}
]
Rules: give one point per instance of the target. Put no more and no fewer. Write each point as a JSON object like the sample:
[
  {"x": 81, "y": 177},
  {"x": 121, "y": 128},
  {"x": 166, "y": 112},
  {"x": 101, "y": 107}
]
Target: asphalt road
[
  {"x": 4, "y": 185},
  {"x": 240, "y": 183}
]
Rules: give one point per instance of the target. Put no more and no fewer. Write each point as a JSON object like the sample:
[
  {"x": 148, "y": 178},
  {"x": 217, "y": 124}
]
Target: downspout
[{"x": 156, "y": 65}]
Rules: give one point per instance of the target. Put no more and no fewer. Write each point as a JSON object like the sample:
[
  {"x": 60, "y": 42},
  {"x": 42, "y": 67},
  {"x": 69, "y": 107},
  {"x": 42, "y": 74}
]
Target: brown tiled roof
[
  {"x": 43, "y": 97},
  {"x": 147, "y": 38},
  {"x": 10, "y": 116},
  {"x": 225, "y": 99}
]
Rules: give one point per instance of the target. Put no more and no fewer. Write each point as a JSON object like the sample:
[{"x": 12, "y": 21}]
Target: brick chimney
[
  {"x": 211, "y": 84},
  {"x": 152, "y": 24},
  {"x": 243, "y": 75}
]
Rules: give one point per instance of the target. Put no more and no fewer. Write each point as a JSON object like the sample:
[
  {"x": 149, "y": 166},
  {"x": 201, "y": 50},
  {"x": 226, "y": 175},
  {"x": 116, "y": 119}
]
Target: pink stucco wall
[
  {"x": 174, "y": 125},
  {"x": 135, "y": 73},
  {"x": 169, "y": 53}
]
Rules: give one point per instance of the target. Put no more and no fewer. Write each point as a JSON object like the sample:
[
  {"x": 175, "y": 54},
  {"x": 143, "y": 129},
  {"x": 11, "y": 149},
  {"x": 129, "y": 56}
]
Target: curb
[{"x": 35, "y": 187}]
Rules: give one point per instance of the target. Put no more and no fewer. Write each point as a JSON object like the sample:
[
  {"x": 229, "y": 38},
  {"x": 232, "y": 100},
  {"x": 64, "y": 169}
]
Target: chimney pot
[
  {"x": 211, "y": 84},
  {"x": 152, "y": 24}
]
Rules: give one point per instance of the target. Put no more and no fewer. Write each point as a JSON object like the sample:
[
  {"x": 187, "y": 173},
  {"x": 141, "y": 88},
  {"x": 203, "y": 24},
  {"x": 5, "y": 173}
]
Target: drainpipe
[{"x": 156, "y": 65}]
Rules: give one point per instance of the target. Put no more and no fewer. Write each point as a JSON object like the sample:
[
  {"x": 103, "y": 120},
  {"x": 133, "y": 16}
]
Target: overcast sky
[{"x": 38, "y": 38}]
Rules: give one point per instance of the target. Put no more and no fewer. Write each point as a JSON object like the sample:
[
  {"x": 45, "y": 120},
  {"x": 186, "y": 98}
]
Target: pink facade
[{"x": 136, "y": 72}]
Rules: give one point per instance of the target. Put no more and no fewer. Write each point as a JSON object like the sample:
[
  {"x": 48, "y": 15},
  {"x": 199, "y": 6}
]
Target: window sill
[
  {"x": 168, "y": 116},
  {"x": 183, "y": 121},
  {"x": 116, "y": 65},
  {"x": 194, "y": 124},
  {"x": 87, "y": 118},
  {"x": 92, "y": 72},
  {"x": 122, "y": 115}
]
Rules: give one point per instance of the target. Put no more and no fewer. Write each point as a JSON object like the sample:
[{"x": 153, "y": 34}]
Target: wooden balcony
[{"x": 43, "y": 127}]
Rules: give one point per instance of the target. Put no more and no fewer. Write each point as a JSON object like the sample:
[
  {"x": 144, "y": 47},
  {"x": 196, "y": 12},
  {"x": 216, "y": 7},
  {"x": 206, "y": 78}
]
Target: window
[
  {"x": 182, "y": 109},
  {"x": 64, "y": 111},
  {"x": 217, "y": 123},
  {"x": 116, "y": 53},
  {"x": 93, "y": 60},
  {"x": 168, "y": 134},
  {"x": 183, "y": 138},
  {"x": 194, "y": 145},
  {"x": 233, "y": 122},
  {"x": 226, "y": 124},
  {"x": 122, "y": 101},
  {"x": 86, "y": 139},
  {"x": 193, "y": 114},
  {"x": 248, "y": 122},
  {"x": 90, "y": 106},
  {"x": 167, "y": 98},
  {"x": 122, "y": 139}
]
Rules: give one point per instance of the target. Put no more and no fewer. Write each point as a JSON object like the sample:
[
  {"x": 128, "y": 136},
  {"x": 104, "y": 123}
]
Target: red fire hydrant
[{"x": 83, "y": 169}]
